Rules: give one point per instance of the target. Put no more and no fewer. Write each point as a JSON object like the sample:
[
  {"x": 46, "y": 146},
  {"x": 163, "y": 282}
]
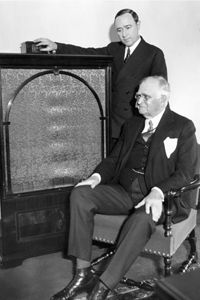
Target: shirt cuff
[
  {"x": 160, "y": 191},
  {"x": 97, "y": 175}
]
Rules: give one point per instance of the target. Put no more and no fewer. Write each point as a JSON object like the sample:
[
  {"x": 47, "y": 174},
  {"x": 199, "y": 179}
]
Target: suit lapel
[
  {"x": 135, "y": 60},
  {"x": 135, "y": 128},
  {"x": 163, "y": 129}
]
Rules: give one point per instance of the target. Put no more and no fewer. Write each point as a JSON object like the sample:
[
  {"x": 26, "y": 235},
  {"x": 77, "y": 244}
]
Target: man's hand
[
  {"x": 49, "y": 45},
  {"x": 93, "y": 181},
  {"x": 153, "y": 204}
]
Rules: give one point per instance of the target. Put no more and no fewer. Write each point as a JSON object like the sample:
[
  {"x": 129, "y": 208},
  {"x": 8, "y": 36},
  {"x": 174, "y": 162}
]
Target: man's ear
[
  {"x": 164, "y": 100},
  {"x": 138, "y": 25}
]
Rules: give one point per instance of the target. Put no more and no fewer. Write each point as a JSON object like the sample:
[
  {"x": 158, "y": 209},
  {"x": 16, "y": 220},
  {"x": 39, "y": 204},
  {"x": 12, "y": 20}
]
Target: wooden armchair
[{"x": 166, "y": 239}]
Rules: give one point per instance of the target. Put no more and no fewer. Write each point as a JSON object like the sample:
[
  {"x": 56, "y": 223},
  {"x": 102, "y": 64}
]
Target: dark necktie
[
  {"x": 146, "y": 135},
  {"x": 127, "y": 55}
]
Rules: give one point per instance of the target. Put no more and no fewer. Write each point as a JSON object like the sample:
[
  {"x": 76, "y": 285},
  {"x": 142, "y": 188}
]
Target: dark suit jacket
[
  {"x": 162, "y": 170},
  {"x": 146, "y": 60}
]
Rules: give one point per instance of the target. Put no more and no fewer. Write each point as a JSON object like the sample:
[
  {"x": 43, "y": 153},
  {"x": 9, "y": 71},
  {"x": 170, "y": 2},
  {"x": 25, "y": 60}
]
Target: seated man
[{"x": 157, "y": 151}]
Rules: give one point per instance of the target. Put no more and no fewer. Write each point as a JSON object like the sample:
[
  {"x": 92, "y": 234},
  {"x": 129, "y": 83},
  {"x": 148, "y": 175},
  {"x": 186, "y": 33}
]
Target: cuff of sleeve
[
  {"x": 160, "y": 191},
  {"x": 97, "y": 175}
]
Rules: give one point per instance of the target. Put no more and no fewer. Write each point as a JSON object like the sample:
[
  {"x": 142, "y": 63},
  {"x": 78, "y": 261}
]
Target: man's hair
[
  {"x": 163, "y": 83},
  {"x": 128, "y": 11}
]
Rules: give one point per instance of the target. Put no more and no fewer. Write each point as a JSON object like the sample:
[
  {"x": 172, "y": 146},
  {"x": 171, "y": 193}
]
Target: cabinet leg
[{"x": 167, "y": 266}]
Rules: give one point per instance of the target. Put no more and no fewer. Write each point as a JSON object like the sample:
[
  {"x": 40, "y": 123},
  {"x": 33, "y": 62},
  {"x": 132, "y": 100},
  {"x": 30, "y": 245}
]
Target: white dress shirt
[{"x": 132, "y": 48}]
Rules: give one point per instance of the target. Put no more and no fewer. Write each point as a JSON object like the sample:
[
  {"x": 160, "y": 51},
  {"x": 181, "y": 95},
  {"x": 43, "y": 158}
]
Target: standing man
[
  {"x": 156, "y": 152},
  {"x": 133, "y": 59}
]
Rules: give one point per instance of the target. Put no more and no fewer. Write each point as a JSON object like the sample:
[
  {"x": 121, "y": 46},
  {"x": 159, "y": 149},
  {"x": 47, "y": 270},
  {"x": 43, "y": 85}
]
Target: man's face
[
  {"x": 127, "y": 29},
  {"x": 149, "y": 98}
]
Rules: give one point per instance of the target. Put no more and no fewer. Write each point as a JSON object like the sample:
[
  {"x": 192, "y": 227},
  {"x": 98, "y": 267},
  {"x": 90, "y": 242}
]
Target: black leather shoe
[
  {"x": 100, "y": 292},
  {"x": 83, "y": 281}
]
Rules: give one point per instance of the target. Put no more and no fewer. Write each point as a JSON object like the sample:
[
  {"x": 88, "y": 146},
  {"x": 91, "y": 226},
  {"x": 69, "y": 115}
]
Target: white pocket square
[{"x": 170, "y": 145}]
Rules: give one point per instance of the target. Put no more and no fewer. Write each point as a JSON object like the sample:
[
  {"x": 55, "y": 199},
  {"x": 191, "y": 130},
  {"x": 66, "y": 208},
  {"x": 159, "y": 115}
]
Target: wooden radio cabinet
[{"x": 54, "y": 129}]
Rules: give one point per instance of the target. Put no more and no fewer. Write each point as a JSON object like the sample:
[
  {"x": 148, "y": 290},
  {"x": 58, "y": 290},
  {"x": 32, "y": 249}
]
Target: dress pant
[{"x": 85, "y": 202}]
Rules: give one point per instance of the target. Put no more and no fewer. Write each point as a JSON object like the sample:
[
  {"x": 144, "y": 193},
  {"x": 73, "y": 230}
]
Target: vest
[{"x": 135, "y": 166}]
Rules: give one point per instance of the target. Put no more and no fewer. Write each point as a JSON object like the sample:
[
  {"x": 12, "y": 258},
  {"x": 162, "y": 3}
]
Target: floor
[{"x": 40, "y": 277}]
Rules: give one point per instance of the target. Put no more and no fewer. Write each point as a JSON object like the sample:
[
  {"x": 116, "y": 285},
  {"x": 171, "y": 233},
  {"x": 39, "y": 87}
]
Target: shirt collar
[
  {"x": 133, "y": 47},
  {"x": 155, "y": 120}
]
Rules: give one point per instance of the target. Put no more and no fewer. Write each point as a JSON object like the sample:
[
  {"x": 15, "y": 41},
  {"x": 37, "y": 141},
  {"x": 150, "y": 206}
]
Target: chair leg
[
  {"x": 167, "y": 266},
  {"x": 147, "y": 285},
  {"x": 192, "y": 257},
  {"x": 103, "y": 257}
]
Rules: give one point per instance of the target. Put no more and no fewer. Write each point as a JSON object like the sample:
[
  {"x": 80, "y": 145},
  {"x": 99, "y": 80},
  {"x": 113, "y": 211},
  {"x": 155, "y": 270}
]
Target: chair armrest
[
  {"x": 194, "y": 184},
  {"x": 171, "y": 195}
]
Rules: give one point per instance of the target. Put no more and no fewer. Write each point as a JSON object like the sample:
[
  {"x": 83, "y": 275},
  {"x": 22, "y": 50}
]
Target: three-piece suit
[
  {"x": 170, "y": 162},
  {"x": 146, "y": 60}
]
